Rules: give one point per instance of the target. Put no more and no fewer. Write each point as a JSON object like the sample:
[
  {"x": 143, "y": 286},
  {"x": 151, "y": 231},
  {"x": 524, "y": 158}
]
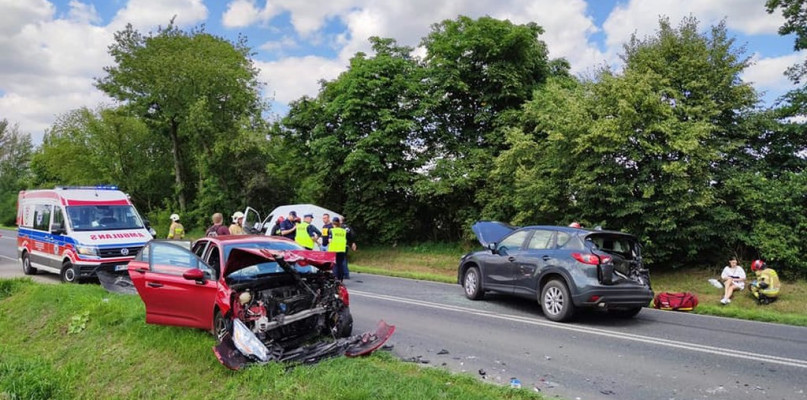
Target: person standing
[
  {"x": 733, "y": 278},
  {"x": 351, "y": 240},
  {"x": 288, "y": 227},
  {"x": 306, "y": 234},
  {"x": 176, "y": 230},
  {"x": 217, "y": 229},
  {"x": 326, "y": 225},
  {"x": 337, "y": 239},
  {"x": 276, "y": 228},
  {"x": 237, "y": 227}
]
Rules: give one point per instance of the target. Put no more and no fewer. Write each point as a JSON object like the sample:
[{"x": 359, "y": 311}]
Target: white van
[
  {"x": 77, "y": 231},
  {"x": 255, "y": 223}
]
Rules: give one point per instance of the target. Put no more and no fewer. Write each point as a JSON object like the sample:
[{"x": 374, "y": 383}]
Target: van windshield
[{"x": 100, "y": 217}]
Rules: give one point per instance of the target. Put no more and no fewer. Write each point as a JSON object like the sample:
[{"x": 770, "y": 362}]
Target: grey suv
[{"x": 564, "y": 268}]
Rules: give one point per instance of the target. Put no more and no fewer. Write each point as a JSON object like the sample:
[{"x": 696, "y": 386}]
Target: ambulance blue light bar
[{"x": 99, "y": 187}]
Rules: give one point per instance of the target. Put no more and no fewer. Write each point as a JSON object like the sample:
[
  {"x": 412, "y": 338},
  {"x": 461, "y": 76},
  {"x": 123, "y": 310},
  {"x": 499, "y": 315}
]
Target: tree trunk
[{"x": 180, "y": 183}]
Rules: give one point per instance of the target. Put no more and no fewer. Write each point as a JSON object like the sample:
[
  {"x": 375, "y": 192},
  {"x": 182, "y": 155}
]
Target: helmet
[
  {"x": 574, "y": 224},
  {"x": 236, "y": 215},
  {"x": 175, "y": 217},
  {"x": 757, "y": 265}
]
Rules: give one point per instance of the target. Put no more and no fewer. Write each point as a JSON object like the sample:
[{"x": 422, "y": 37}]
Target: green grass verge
[
  {"x": 78, "y": 341},
  {"x": 435, "y": 262}
]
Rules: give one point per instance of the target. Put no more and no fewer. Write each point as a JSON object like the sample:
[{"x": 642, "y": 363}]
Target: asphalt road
[
  {"x": 657, "y": 355},
  {"x": 9, "y": 265}
]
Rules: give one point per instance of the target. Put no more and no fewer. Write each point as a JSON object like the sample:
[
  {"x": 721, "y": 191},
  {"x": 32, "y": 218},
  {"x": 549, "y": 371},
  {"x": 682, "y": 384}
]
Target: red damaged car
[{"x": 281, "y": 293}]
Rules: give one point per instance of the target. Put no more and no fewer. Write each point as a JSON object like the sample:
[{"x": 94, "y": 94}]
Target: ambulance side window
[
  {"x": 41, "y": 217},
  {"x": 58, "y": 219}
]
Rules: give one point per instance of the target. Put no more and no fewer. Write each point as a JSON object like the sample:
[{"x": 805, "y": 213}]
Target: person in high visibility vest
[
  {"x": 176, "y": 230},
  {"x": 337, "y": 243},
  {"x": 307, "y": 234},
  {"x": 765, "y": 288}
]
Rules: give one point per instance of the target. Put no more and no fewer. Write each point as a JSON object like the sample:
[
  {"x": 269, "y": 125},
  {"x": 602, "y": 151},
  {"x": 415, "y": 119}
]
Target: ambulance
[{"x": 77, "y": 231}]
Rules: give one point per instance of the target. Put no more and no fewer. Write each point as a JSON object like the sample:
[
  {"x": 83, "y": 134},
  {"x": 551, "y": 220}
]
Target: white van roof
[{"x": 79, "y": 195}]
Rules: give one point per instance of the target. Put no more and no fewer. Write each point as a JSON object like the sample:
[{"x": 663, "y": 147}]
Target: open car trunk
[{"x": 625, "y": 265}]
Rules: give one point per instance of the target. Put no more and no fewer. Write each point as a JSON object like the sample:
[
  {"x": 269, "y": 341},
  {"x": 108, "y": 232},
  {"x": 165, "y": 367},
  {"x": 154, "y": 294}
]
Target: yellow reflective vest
[
  {"x": 302, "y": 237},
  {"x": 338, "y": 242},
  {"x": 176, "y": 231}
]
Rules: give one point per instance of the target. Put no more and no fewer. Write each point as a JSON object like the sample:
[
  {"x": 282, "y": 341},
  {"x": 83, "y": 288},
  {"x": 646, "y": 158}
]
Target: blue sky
[{"x": 52, "y": 49}]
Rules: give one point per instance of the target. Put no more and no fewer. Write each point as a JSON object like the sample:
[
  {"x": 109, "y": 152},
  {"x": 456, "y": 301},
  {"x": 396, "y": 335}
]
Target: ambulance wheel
[
  {"x": 27, "y": 269},
  {"x": 70, "y": 273}
]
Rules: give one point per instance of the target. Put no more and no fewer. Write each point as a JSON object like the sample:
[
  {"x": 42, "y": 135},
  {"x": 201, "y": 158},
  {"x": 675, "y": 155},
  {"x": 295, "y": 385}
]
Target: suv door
[
  {"x": 171, "y": 299},
  {"x": 539, "y": 252},
  {"x": 499, "y": 267}
]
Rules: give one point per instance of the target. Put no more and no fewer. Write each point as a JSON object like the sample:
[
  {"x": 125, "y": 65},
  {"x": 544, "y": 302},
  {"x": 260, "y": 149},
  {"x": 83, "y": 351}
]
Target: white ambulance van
[{"x": 77, "y": 231}]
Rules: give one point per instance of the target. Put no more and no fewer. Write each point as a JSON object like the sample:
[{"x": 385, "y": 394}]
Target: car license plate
[{"x": 121, "y": 267}]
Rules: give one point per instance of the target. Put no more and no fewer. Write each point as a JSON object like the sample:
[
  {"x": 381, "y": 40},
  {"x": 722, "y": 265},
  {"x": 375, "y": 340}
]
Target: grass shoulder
[
  {"x": 435, "y": 262},
  {"x": 79, "y": 341}
]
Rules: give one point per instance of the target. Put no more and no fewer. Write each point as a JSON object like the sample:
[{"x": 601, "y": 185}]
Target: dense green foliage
[
  {"x": 117, "y": 355},
  {"x": 671, "y": 147},
  {"x": 15, "y": 157}
]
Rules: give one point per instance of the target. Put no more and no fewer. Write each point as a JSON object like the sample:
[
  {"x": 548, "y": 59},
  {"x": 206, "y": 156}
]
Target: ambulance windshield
[{"x": 102, "y": 217}]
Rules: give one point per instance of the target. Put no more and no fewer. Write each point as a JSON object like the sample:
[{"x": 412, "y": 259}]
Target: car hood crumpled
[
  {"x": 491, "y": 231},
  {"x": 244, "y": 257}
]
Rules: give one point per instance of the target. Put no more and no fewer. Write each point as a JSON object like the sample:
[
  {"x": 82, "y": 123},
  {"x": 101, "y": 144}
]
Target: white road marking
[
  {"x": 8, "y": 238},
  {"x": 597, "y": 331},
  {"x": 8, "y": 258}
]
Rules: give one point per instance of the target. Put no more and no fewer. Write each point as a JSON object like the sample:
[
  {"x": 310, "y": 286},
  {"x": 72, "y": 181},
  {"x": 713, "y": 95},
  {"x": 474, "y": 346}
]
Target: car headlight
[{"x": 87, "y": 250}]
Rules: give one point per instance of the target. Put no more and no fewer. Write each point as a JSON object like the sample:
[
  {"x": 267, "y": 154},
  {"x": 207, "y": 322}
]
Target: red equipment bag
[{"x": 685, "y": 301}]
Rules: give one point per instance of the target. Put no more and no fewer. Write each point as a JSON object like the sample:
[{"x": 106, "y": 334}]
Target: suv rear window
[{"x": 625, "y": 246}]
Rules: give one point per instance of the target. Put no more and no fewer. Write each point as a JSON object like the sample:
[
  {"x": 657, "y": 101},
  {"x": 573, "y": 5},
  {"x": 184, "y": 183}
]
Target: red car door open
[{"x": 176, "y": 287}]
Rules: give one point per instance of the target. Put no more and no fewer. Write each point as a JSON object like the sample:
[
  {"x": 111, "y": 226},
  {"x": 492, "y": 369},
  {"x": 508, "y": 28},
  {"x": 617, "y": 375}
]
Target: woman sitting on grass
[{"x": 733, "y": 278}]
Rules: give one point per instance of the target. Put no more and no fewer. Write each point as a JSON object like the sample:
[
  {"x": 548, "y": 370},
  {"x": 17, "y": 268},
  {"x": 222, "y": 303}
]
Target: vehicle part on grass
[
  {"x": 116, "y": 283},
  {"x": 241, "y": 347}
]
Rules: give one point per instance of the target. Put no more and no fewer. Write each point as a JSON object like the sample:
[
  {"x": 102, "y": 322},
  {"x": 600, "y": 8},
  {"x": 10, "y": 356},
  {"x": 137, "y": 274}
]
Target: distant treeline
[{"x": 672, "y": 147}]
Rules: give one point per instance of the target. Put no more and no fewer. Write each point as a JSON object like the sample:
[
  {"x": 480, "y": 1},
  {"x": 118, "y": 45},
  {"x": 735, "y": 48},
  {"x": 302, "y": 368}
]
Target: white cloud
[
  {"x": 241, "y": 13},
  {"x": 566, "y": 25},
  {"x": 146, "y": 14},
  {"x": 284, "y": 43},
  {"x": 767, "y": 74},
  {"x": 291, "y": 78},
  {"x": 641, "y": 17},
  {"x": 83, "y": 13},
  {"x": 16, "y": 14}
]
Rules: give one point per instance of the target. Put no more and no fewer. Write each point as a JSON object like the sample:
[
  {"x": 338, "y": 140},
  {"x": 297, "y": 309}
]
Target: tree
[
  {"x": 15, "y": 156},
  {"x": 359, "y": 140},
  {"x": 194, "y": 88},
  {"x": 795, "y": 14},
  {"x": 106, "y": 146},
  {"x": 480, "y": 73},
  {"x": 639, "y": 151}
]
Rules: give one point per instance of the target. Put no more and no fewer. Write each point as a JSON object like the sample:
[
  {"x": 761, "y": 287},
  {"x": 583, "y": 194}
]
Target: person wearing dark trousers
[
  {"x": 326, "y": 225},
  {"x": 337, "y": 243},
  {"x": 351, "y": 241}
]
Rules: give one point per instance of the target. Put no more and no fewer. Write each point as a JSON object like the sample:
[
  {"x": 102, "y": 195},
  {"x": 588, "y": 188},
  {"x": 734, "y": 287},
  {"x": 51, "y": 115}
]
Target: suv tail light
[
  {"x": 344, "y": 296},
  {"x": 591, "y": 259}
]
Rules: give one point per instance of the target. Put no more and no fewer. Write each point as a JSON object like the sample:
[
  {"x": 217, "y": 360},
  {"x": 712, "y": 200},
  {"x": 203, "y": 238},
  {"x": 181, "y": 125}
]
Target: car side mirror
[
  {"x": 492, "y": 247},
  {"x": 195, "y": 274},
  {"x": 57, "y": 229}
]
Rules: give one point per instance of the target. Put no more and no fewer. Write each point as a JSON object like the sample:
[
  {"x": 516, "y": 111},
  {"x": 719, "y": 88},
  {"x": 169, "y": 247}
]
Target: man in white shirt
[{"x": 733, "y": 278}]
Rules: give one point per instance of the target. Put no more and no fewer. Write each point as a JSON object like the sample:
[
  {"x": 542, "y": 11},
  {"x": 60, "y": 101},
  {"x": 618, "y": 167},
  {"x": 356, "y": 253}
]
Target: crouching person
[{"x": 765, "y": 288}]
